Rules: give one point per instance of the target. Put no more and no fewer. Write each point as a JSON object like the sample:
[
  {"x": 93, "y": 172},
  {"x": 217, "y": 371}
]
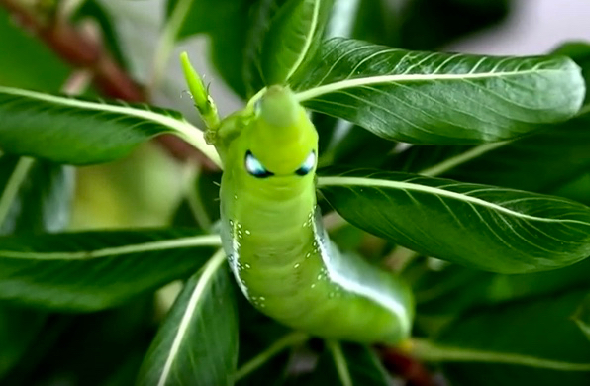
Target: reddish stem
[{"x": 405, "y": 366}]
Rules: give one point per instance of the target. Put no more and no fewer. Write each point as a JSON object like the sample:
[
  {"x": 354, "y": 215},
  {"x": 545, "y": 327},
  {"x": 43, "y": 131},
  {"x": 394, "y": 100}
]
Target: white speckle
[
  {"x": 332, "y": 294},
  {"x": 236, "y": 196},
  {"x": 246, "y": 265},
  {"x": 313, "y": 285},
  {"x": 296, "y": 265},
  {"x": 320, "y": 276},
  {"x": 231, "y": 223},
  {"x": 247, "y": 232},
  {"x": 262, "y": 298},
  {"x": 308, "y": 255}
]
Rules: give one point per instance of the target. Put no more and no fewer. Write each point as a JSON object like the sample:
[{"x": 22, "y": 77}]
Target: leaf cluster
[{"x": 465, "y": 175}]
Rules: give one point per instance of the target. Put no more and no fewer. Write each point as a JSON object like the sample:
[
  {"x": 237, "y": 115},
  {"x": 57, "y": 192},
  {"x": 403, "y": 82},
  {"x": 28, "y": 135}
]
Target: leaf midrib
[
  {"x": 208, "y": 240},
  {"x": 308, "y": 39},
  {"x": 401, "y": 185},
  {"x": 434, "y": 352},
  {"x": 180, "y": 127},
  {"x": 204, "y": 281},
  {"x": 328, "y": 88}
]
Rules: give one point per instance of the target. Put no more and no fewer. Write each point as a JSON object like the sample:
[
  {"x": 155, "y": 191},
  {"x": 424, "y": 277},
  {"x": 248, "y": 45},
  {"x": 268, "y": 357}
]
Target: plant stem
[
  {"x": 429, "y": 351},
  {"x": 289, "y": 340},
  {"x": 340, "y": 361}
]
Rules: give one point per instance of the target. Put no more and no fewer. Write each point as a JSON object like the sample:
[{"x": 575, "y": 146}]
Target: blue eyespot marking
[
  {"x": 254, "y": 167},
  {"x": 308, "y": 164}
]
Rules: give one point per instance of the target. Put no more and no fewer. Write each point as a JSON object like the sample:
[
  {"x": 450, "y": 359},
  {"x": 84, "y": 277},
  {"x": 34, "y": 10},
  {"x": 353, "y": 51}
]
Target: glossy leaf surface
[
  {"x": 479, "y": 226},
  {"x": 198, "y": 341},
  {"x": 438, "y": 98},
  {"x": 293, "y": 36},
  {"x": 95, "y": 270},
  {"x": 77, "y": 131}
]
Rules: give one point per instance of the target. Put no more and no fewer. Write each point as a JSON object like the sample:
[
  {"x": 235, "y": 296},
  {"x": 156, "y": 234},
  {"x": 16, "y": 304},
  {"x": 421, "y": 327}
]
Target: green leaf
[
  {"x": 348, "y": 364},
  {"x": 357, "y": 147},
  {"x": 198, "y": 341},
  {"x": 582, "y": 316},
  {"x": 438, "y": 98},
  {"x": 90, "y": 271},
  {"x": 18, "y": 330},
  {"x": 562, "y": 152},
  {"x": 115, "y": 339},
  {"x": 205, "y": 15},
  {"x": 21, "y": 55},
  {"x": 580, "y": 53},
  {"x": 266, "y": 347},
  {"x": 443, "y": 292},
  {"x": 294, "y": 36},
  {"x": 77, "y": 131},
  {"x": 261, "y": 14},
  {"x": 479, "y": 226},
  {"x": 36, "y": 195},
  {"x": 532, "y": 343}
]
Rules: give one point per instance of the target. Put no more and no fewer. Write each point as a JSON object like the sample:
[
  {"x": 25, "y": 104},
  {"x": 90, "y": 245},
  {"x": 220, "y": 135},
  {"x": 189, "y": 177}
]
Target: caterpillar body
[{"x": 277, "y": 247}]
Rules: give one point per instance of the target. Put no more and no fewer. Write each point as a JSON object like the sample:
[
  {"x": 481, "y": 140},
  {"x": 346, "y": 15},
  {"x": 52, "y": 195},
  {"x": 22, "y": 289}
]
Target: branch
[{"x": 82, "y": 49}]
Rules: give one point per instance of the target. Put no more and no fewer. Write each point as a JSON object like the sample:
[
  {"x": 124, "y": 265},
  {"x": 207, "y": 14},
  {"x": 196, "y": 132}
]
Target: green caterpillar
[{"x": 272, "y": 232}]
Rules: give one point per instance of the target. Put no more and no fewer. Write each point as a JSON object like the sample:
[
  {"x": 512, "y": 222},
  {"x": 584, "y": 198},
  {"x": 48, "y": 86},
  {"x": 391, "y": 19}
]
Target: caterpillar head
[{"x": 281, "y": 141}]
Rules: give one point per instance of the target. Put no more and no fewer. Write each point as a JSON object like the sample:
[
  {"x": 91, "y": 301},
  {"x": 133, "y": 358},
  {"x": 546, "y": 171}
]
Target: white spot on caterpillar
[
  {"x": 234, "y": 258},
  {"x": 313, "y": 285},
  {"x": 247, "y": 266},
  {"x": 296, "y": 265},
  {"x": 247, "y": 232}
]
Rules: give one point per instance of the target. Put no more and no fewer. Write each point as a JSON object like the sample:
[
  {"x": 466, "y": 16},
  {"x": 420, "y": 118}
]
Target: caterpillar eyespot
[
  {"x": 308, "y": 164},
  {"x": 254, "y": 167},
  {"x": 281, "y": 255}
]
